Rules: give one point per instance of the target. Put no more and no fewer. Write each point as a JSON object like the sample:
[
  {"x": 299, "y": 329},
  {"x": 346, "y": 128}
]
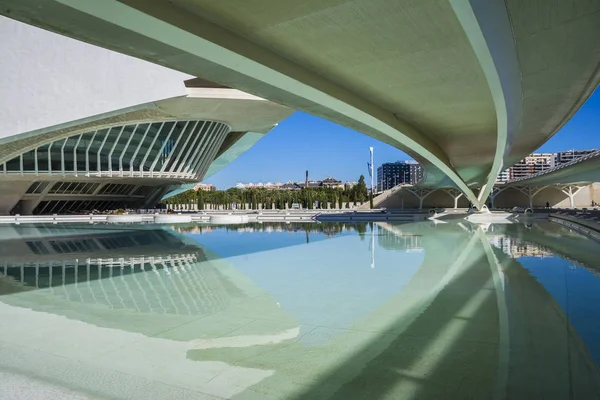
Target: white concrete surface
[
  {"x": 424, "y": 77},
  {"x": 56, "y": 80}
]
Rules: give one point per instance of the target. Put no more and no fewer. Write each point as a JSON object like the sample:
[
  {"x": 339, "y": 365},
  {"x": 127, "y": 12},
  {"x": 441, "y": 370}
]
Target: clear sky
[{"x": 304, "y": 142}]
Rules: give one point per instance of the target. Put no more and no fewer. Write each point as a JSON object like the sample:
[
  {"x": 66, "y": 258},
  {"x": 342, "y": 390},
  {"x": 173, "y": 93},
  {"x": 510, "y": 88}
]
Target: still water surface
[{"x": 299, "y": 311}]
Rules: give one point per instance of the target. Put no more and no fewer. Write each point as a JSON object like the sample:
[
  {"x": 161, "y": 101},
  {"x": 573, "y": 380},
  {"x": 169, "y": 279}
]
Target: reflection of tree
[
  {"x": 328, "y": 228},
  {"x": 361, "y": 229}
]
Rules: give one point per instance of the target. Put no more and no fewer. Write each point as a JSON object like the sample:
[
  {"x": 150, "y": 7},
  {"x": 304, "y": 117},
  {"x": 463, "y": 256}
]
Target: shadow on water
[
  {"x": 452, "y": 348},
  {"x": 419, "y": 354},
  {"x": 471, "y": 322}
]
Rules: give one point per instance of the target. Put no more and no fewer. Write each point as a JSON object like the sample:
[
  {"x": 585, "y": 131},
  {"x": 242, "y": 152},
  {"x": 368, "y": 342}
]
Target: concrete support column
[
  {"x": 494, "y": 193},
  {"x": 530, "y": 192},
  {"x": 455, "y": 194},
  {"x": 10, "y": 194},
  {"x": 571, "y": 191},
  {"x": 421, "y": 195}
]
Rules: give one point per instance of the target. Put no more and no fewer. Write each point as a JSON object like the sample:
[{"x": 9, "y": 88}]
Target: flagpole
[{"x": 371, "y": 173}]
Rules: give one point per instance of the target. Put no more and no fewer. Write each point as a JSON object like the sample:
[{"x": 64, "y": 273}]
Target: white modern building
[
  {"x": 465, "y": 87},
  {"x": 84, "y": 128},
  {"x": 503, "y": 176}
]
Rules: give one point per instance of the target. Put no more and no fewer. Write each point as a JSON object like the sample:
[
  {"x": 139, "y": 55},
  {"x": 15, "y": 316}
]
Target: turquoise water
[{"x": 299, "y": 311}]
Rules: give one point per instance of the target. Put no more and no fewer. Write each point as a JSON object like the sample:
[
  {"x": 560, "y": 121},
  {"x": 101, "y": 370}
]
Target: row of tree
[{"x": 307, "y": 198}]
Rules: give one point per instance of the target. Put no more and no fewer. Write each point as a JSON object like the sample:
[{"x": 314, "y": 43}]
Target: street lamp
[{"x": 371, "y": 173}]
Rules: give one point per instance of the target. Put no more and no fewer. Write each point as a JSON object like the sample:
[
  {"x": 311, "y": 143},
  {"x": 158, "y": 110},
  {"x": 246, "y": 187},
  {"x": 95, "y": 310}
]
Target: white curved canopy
[{"x": 465, "y": 87}]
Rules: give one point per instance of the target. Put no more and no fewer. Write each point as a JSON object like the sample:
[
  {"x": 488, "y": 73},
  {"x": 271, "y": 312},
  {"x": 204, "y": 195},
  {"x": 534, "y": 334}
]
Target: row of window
[
  {"x": 87, "y": 245},
  {"x": 117, "y": 189},
  {"x": 83, "y": 188},
  {"x": 175, "y": 147},
  {"x": 73, "y": 188},
  {"x": 144, "y": 190},
  {"x": 37, "y": 187},
  {"x": 76, "y": 206}
]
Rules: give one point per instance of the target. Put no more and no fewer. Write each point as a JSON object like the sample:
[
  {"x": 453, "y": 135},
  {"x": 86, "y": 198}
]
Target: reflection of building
[
  {"x": 391, "y": 241},
  {"x": 401, "y": 172},
  {"x": 91, "y": 267},
  {"x": 79, "y": 243},
  {"x": 105, "y": 131},
  {"x": 516, "y": 248}
]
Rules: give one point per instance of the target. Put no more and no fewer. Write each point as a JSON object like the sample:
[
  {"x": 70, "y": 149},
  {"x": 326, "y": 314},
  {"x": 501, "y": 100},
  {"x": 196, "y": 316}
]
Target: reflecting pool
[{"x": 299, "y": 311}]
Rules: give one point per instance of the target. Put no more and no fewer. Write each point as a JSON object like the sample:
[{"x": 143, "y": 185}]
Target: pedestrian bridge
[
  {"x": 580, "y": 171},
  {"x": 465, "y": 87}
]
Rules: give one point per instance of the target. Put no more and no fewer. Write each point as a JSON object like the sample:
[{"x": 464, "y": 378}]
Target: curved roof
[
  {"x": 81, "y": 89},
  {"x": 465, "y": 87}
]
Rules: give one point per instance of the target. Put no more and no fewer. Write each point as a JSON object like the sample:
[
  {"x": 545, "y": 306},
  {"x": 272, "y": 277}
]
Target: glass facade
[
  {"x": 401, "y": 172},
  {"x": 172, "y": 149},
  {"x": 70, "y": 206}
]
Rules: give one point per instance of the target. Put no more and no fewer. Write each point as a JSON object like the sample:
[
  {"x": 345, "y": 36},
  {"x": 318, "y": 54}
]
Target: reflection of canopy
[
  {"x": 456, "y": 320},
  {"x": 102, "y": 277}
]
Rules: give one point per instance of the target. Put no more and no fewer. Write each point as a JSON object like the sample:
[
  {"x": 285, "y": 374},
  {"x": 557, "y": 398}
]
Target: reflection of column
[
  {"x": 503, "y": 333},
  {"x": 372, "y": 245},
  {"x": 548, "y": 356}
]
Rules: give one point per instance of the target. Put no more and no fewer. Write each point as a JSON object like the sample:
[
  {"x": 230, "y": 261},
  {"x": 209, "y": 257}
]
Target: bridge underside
[
  {"x": 579, "y": 171},
  {"x": 502, "y": 197},
  {"x": 466, "y": 88}
]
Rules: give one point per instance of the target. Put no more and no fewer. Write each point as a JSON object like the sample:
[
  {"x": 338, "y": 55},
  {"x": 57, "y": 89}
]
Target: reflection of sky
[
  {"x": 576, "y": 290},
  {"x": 327, "y": 282}
]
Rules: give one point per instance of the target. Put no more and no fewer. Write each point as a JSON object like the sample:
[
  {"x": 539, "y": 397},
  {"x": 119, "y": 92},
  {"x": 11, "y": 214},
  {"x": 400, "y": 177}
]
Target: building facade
[
  {"x": 78, "y": 139},
  {"x": 563, "y": 157},
  {"x": 532, "y": 164},
  {"x": 205, "y": 187},
  {"x": 328, "y": 182},
  {"x": 540, "y": 162},
  {"x": 397, "y": 173},
  {"x": 503, "y": 176}
]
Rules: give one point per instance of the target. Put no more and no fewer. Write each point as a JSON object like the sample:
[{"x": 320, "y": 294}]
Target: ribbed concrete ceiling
[
  {"x": 558, "y": 48},
  {"x": 412, "y": 58}
]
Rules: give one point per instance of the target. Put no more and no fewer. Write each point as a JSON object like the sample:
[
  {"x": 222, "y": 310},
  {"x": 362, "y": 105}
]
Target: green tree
[
  {"x": 200, "y": 201},
  {"x": 361, "y": 189}
]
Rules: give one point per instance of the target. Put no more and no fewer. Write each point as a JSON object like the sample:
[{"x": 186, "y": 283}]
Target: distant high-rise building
[{"x": 400, "y": 172}]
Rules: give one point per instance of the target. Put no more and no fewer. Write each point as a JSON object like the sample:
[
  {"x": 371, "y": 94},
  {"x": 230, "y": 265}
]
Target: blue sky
[{"x": 304, "y": 142}]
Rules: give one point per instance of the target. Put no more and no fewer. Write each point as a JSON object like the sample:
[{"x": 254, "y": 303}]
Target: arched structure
[
  {"x": 99, "y": 130},
  {"x": 168, "y": 149},
  {"x": 115, "y": 167},
  {"x": 465, "y": 87}
]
